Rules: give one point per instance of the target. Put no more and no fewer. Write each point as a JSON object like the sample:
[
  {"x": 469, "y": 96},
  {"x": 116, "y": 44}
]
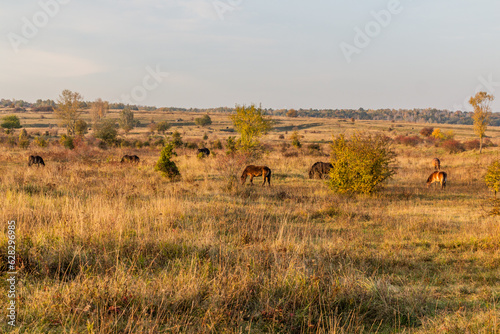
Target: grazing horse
[
  {"x": 437, "y": 177},
  {"x": 436, "y": 164},
  {"x": 35, "y": 159},
  {"x": 320, "y": 170},
  {"x": 256, "y": 171},
  {"x": 130, "y": 158},
  {"x": 205, "y": 151}
]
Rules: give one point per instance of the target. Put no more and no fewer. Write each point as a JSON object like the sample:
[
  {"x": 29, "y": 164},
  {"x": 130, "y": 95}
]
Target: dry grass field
[{"x": 105, "y": 247}]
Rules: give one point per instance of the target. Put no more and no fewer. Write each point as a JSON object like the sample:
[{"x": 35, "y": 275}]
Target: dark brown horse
[
  {"x": 436, "y": 164},
  {"x": 256, "y": 171},
  {"x": 320, "y": 170},
  {"x": 35, "y": 160},
  {"x": 205, "y": 151},
  {"x": 437, "y": 177},
  {"x": 130, "y": 158}
]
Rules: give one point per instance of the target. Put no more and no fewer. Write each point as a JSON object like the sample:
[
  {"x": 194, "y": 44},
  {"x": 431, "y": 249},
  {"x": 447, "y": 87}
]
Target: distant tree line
[{"x": 428, "y": 115}]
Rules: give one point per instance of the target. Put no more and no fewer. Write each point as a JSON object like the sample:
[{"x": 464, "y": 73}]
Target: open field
[{"x": 105, "y": 247}]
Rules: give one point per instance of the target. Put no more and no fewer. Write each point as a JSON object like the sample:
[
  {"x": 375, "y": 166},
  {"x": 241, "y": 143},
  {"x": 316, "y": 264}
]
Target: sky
[{"x": 276, "y": 53}]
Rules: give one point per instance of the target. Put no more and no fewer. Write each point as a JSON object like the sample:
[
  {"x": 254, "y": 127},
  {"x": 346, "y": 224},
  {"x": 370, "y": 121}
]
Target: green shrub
[
  {"x": 106, "y": 130},
  {"x": 191, "y": 145},
  {"x": 176, "y": 139},
  {"x": 216, "y": 145},
  {"x": 40, "y": 142},
  {"x": 165, "y": 166},
  {"x": 230, "y": 145},
  {"x": 67, "y": 142},
  {"x": 24, "y": 141},
  {"x": 138, "y": 144},
  {"x": 492, "y": 177},
  {"x": 81, "y": 127},
  {"x": 360, "y": 164},
  {"x": 203, "y": 121},
  {"x": 11, "y": 122},
  {"x": 162, "y": 127},
  {"x": 295, "y": 140}
]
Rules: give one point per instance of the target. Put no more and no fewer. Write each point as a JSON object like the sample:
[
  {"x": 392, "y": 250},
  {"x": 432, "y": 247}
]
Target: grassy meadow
[{"x": 104, "y": 247}]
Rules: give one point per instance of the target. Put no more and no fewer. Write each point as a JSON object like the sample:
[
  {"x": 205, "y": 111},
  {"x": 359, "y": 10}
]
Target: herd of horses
[{"x": 318, "y": 170}]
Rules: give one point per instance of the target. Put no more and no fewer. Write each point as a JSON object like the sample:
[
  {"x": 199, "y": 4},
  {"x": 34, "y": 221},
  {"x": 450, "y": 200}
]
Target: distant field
[{"x": 105, "y": 247}]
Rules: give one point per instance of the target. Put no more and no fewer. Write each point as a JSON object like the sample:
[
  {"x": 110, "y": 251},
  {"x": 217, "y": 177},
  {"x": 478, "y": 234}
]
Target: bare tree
[{"x": 98, "y": 110}]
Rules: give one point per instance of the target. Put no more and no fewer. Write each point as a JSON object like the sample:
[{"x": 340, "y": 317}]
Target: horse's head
[
  {"x": 430, "y": 179},
  {"x": 243, "y": 178}
]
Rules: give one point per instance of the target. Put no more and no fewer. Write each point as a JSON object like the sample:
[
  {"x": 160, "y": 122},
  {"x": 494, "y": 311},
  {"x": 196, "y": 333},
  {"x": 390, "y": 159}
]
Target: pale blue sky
[{"x": 282, "y": 54}]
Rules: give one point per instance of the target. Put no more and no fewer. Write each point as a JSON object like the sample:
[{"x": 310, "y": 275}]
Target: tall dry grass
[{"x": 105, "y": 247}]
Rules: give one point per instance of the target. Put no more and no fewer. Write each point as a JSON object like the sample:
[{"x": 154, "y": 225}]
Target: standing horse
[
  {"x": 437, "y": 177},
  {"x": 436, "y": 164},
  {"x": 256, "y": 171}
]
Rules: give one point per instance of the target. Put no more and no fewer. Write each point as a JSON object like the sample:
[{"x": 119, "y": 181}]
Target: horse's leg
[{"x": 251, "y": 179}]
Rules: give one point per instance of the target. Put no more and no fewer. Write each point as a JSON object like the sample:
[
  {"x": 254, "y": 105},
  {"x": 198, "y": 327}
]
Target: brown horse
[
  {"x": 437, "y": 177},
  {"x": 436, "y": 164},
  {"x": 256, "y": 171},
  {"x": 320, "y": 170},
  {"x": 130, "y": 158},
  {"x": 35, "y": 160}
]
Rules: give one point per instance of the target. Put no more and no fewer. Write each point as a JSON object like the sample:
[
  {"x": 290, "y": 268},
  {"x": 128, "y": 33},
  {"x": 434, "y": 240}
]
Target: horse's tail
[{"x": 268, "y": 175}]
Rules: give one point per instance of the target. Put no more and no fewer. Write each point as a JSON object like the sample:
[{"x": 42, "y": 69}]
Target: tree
[
  {"x": 164, "y": 165},
  {"x": 98, "y": 110},
  {"x": 106, "y": 130},
  {"x": 292, "y": 113},
  {"x": 492, "y": 177},
  {"x": 203, "y": 121},
  {"x": 163, "y": 126},
  {"x": 127, "y": 121},
  {"x": 251, "y": 123},
  {"x": 81, "y": 127},
  {"x": 360, "y": 164},
  {"x": 11, "y": 122},
  {"x": 67, "y": 110},
  {"x": 481, "y": 103}
]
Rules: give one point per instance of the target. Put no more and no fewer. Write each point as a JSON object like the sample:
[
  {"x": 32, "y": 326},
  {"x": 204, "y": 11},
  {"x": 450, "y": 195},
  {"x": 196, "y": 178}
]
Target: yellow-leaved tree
[
  {"x": 68, "y": 109},
  {"x": 251, "y": 123},
  {"x": 481, "y": 103}
]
